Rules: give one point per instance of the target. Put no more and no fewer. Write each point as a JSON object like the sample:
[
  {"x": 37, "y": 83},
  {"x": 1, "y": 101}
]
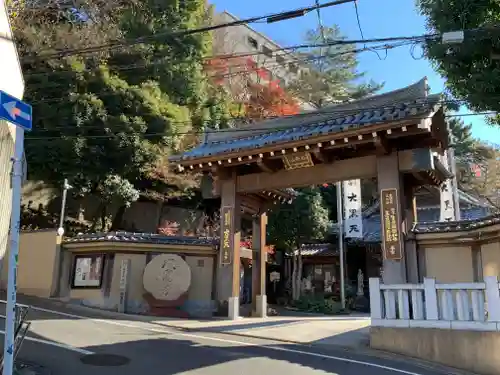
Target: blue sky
[{"x": 379, "y": 18}]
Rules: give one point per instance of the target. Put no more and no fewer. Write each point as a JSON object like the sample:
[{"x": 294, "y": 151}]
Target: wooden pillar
[
  {"x": 391, "y": 214},
  {"x": 410, "y": 243},
  {"x": 259, "y": 256},
  {"x": 228, "y": 271}
]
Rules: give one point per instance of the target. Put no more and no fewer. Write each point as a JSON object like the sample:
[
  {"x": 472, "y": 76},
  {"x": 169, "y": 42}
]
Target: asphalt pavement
[{"x": 76, "y": 343}]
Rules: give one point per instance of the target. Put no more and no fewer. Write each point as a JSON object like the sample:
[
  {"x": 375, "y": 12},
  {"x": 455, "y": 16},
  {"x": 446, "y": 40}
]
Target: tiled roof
[
  {"x": 427, "y": 220},
  {"x": 456, "y": 226},
  {"x": 149, "y": 238},
  {"x": 466, "y": 198},
  {"x": 396, "y": 105},
  {"x": 322, "y": 249}
]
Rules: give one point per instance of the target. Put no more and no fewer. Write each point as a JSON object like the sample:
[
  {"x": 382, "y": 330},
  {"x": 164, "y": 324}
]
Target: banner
[
  {"x": 353, "y": 218},
  {"x": 447, "y": 212}
]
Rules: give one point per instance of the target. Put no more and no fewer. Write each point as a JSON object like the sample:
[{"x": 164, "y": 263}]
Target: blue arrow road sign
[{"x": 15, "y": 111}]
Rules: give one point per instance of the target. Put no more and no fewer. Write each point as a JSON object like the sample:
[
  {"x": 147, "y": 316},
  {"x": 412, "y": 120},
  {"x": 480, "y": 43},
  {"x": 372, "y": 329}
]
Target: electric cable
[
  {"x": 199, "y": 132},
  {"x": 270, "y": 18}
]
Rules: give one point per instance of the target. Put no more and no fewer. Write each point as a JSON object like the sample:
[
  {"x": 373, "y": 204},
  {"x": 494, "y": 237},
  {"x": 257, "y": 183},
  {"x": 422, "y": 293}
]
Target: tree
[
  {"x": 331, "y": 75},
  {"x": 483, "y": 178},
  {"x": 471, "y": 69},
  {"x": 467, "y": 148},
  {"x": 251, "y": 89},
  {"x": 104, "y": 121},
  {"x": 290, "y": 225}
]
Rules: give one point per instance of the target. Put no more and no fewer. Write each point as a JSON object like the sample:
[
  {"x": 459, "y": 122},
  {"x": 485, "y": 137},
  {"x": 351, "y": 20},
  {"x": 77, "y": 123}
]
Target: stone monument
[
  {"x": 166, "y": 279},
  {"x": 362, "y": 303},
  {"x": 361, "y": 283}
]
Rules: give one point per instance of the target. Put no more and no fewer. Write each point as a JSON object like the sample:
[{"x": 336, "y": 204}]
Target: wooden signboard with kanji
[
  {"x": 227, "y": 235},
  {"x": 298, "y": 160},
  {"x": 392, "y": 245}
]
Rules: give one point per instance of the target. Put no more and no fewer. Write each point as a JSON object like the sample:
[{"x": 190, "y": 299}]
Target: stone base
[
  {"x": 362, "y": 304},
  {"x": 170, "y": 309},
  {"x": 260, "y": 306},
  {"x": 233, "y": 308}
]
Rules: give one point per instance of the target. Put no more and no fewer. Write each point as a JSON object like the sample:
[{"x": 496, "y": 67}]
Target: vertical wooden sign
[
  {"x": 227, "y": 235},
  {"x": 392, "y": 245},
  {"x": 124, "y": 273}
]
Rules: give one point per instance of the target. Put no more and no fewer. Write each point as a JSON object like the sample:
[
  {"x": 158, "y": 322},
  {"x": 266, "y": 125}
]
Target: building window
[
  {"x": 280, "y": 59},
  {"x": 88, "y": 271},
  {"x": 253, "y": 43},
  {"x": 293, "y": 68},
  {"x": 267, "y": 51}
]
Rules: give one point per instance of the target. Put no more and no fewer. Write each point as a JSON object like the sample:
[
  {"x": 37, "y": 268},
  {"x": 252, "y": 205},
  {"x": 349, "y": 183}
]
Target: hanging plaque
[
  {"x": 227, "y": 235},
  {"x": 298, "y": 160},
  {"x": 391, "y": 233}
]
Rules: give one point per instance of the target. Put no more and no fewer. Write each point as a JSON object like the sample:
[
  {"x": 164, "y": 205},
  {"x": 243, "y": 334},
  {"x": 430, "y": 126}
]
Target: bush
[{"x": 319, "y": 304}]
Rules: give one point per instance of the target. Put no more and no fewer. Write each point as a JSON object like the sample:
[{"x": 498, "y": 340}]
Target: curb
[{"x": 358, "y": 350}]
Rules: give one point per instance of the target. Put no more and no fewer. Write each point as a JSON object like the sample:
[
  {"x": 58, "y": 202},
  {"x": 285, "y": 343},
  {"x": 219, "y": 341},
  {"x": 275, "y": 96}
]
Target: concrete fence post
[
  {"x": 492, "y": 295},
  {"x": 431, "y": 301},
  {"x": 375, "y": 298}
]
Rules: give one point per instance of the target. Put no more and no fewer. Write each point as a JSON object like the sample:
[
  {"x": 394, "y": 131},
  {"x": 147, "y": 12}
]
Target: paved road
[{"x": 62, "y": 341}]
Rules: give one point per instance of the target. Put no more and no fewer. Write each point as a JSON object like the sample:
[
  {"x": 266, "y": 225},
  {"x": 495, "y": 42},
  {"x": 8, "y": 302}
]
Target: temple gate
[{"x": 399, "y": 137}]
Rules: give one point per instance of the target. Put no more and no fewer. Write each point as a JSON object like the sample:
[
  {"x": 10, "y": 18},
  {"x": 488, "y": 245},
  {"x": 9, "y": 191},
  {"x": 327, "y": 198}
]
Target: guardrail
[
  {"x": 22, "y": 326},
  {"x": 461, "y": 306}
]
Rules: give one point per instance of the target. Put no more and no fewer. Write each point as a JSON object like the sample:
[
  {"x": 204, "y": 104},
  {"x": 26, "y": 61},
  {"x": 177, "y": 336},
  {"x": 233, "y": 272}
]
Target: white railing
[{"x": 466, "y": 306}]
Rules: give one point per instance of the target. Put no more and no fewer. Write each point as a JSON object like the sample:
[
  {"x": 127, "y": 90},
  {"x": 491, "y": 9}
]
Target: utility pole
[
  {"x": 340, "y": 220},
  {"x": 340, "y": 223},
  {"x": 66, "y": 187},
  {"x": 454, "y": 182}
]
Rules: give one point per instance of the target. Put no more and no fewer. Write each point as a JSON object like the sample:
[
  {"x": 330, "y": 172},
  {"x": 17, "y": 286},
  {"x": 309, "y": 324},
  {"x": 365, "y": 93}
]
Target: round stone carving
[{"x": 167, "y": 277}]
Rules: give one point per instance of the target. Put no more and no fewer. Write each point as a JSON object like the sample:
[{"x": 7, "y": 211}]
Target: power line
[
  {"x": 270, "y": 18},
  {"x": 321, "y": 112},
  {"x": 236, "y": 56},
  {"x": 269, "y": 65},
  {"x": 163, "y": 58},
  {"x": 195, "y": 132},
  {"x": 358, "y": 20},
  {"x": 299, "y": 12}
]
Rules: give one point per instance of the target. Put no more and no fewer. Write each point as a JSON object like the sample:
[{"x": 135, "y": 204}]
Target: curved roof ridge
[
  {"x": 417, "y": 90},
  {"x": 413, "y": 92}
]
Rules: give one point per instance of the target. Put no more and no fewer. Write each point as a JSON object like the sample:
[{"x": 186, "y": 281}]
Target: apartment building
[
  {"x": 11, "y": 82},
  {"x": 258, "y": 53}
]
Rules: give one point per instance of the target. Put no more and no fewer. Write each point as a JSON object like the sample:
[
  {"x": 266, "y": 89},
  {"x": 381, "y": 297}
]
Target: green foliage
[
  {"x": 467, "y": 148},
  {"x": 470, "y": 72},
  {"x": 303, "y": 220},
  {"x": 333, "y": 77},
  {"x": 107, "y": 121},
  {"x": 318, "y": 304},
  {"x": 176, "y": 63}
]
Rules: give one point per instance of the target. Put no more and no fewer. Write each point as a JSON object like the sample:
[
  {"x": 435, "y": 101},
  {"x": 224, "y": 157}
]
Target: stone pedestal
[
  {"x": 362, "y": 304},
  {"x": 233, "y": 308},
  {"x": 261, "y": 306}
]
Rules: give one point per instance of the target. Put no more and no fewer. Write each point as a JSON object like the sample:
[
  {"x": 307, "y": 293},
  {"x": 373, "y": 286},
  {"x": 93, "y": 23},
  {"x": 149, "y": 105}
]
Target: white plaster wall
[{"x": 11, "y": 82}]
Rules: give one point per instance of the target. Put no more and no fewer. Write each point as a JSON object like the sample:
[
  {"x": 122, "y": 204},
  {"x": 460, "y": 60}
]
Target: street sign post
[
  {"x": 18, "y": 113},
  {"x": 15, "y": 111}
]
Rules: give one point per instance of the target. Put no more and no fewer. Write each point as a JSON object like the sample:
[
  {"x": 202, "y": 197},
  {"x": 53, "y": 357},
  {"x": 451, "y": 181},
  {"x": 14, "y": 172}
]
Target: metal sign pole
[
  {"x": 10, "y": 322},
  {"x": 19, "y": 114},
  {"x": 340, "y": 222},
  {"x": 66, "y": 187}
]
